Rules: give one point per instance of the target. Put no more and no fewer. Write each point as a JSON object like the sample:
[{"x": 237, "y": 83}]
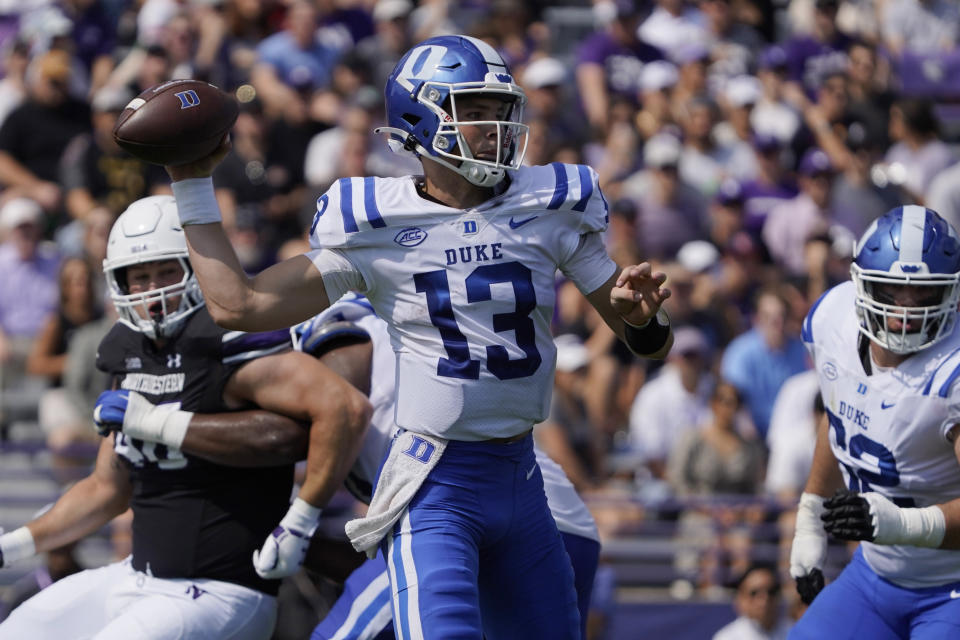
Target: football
[{"x": 175, "y": 122}]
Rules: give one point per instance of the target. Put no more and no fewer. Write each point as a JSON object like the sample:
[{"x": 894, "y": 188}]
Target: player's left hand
[
  {"x": 286, "y": 547},
  {"x": 875, "y": 518},
  {"x": 638, "y": 293}
]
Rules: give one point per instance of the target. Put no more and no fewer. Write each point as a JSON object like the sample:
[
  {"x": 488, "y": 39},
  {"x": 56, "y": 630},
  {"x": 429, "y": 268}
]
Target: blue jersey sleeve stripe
[
  {"x": 370, "y": 203},
  {"x": 945, "y": 388},
  {"x": 586, "y": 188},
  {"x": 806, "y": 329},
  {"x": 927, "y": 387},
  {"x": 560, "y": 190},
  {"x": 346, "y": 206}
]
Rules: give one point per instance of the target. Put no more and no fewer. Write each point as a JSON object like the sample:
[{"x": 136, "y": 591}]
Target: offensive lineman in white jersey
[
  {"x": 887, "y": 352},
  {"x": 461, "y": 264}
]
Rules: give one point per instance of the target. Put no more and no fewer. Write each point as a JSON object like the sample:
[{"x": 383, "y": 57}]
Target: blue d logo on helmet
[
  {"x": 421, "y": 100},
  {"x": 908, "y": 247}
]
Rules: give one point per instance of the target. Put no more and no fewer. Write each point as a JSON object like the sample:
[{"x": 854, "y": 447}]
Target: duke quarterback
[
  {"x": 461, "y": 263},
  {"x": 887, "y": 352},
  {"x": 355, "y": 343},
  {"x": 196, "y": 523}
]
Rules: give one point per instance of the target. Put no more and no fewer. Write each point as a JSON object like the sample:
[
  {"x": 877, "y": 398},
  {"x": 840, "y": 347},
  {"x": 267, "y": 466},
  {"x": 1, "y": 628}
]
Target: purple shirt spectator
[
  {"x": 28, "y": 288},
  {"x": 621, "y": 63},
  {"x": 809, "y": 59}
]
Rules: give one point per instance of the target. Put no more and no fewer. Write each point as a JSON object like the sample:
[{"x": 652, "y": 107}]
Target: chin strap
[{"x": 476, "y": 175}]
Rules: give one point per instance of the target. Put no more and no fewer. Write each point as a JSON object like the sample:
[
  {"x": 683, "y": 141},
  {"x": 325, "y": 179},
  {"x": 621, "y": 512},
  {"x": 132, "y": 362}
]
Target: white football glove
[
  {"x": 286, "y": 547},
  {"x": 809, "y": 550}
]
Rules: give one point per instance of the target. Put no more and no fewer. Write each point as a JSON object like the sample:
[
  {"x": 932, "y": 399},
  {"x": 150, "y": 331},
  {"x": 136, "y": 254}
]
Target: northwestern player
[
  {"x": 461, "y": 263},
  {"x": 887, "y": 351},
  {"x": 196, "y": 523},
  {"x": 355, "y": 344}
]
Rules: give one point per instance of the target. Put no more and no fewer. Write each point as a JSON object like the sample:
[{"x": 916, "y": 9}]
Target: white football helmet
[{"x": 149, "y": 231}]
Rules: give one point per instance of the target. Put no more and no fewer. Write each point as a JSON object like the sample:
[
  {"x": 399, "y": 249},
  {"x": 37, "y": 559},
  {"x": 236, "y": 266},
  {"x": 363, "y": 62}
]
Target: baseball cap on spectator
[
  {"x": 689, "y": 341},
  {"x": 729, "y": 193},
  {"x": 815, "y": 161},
  {"x": 661, "y": 150},
  {"x": 773, "y": 57},
  {"x": 110, "y": 98},
  {"x": 544, "y": 72},
  {"x": 54, "y": 65},
  {"x": 697, "y": 256},
  {"x": 741, "y": 91},
  {"x": 766, "y": 143},
  {"x": 572, "y": 354},
  {"x": 19, "y": 211},
  {"x": 689, "y": 52},
  {"x": 658, "y": 75},
  {"x": 387, "y": 10}
]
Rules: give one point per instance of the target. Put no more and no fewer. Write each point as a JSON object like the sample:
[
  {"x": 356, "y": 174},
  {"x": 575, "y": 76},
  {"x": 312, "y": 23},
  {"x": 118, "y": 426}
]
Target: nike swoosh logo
[
  {"x": 516, "y": 224},
  {"x": 530, "y": 473},
  {"x": 884, "y": 405},
  {"x": 954, "y": 594}
]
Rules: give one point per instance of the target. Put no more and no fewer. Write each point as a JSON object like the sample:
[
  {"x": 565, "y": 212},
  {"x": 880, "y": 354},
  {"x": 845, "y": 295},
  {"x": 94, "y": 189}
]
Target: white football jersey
[
  {"x": 468, "y": 294},
  {"x": 888, "y": 430},
  {"x": 568, "y": 509}
]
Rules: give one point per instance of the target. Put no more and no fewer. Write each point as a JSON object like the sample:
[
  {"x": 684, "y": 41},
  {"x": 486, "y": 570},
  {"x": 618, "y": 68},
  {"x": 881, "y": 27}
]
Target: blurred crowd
[{"x": 742, "y": 146}]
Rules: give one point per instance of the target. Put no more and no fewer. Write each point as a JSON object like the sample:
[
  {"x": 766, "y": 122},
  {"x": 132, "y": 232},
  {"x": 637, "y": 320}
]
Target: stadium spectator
[
  {"x": 292, "y": 63},
  {"x": 771, "y": 186},
  {"x": 715, "y": 458},
  {"x": 790, "y": 224},
  {"x": 796, "y": 414},
  {"x": 61, "y": 416},
  {"x": 759, "y": 606},
  {"x": 673, "y": 403},
  {"x": 758, "y": 361},
  {"x": 35, "y": 134},
  {"x": 943, "y": 194},
  {"x": 13, "y": 90},
  {"x": 392, "y": 37},
  {"x": 657, "y": 79},
  {"x": 918, "y": 154},
  {"x": 773, "y": 116},
  {"x": 705, "y": 161},
  {"x": 811, "y": 56},
  {"x": 28, "y": 288},
  {"x": 671, "y": 212},
  {"x": 672, "y": 25},
  {"x": 920, "y": 26},
  {"x": 95, "y": 171},
  {"x": 609, "y": 63}
]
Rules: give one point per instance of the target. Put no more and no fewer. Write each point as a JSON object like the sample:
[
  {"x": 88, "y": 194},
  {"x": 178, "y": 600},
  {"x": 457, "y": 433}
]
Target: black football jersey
[{"x": 193, "y": 518}]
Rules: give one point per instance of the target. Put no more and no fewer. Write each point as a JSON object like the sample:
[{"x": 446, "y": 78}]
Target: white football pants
[{"x": 116, "y": 602}]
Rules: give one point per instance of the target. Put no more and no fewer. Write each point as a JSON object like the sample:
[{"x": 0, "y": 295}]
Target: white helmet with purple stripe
[{"x": 914, "y": 247}]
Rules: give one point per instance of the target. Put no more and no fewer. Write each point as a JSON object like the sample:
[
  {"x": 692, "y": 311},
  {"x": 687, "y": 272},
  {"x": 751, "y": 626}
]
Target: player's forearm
[
  {"x": 84, "y": 509},
  {"x": 246, "y": 439},
  {"x": 824, "y": 476},
  {"x": 335, "y": 442}
]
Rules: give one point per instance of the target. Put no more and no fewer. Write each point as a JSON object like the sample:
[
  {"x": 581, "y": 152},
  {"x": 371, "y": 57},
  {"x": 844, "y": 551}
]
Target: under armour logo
[
  {"x": 420, "y": 449},
  {"x": 173, "y": 361},
  {"x": 188, "y": 98}
]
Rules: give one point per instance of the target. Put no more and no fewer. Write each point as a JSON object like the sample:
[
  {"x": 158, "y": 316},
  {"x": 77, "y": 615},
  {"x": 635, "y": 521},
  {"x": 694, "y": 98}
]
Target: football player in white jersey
[
  {"x": 461, "y": 264},
  {"x": 355, "y": 343},
  {"x": 887, "y": 352}
]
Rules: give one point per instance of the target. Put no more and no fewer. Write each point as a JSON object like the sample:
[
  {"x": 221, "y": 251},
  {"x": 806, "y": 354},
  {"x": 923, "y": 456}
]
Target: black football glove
[
  {"x": 847, "y": 516},
  {"x": 809, "y": 585}
]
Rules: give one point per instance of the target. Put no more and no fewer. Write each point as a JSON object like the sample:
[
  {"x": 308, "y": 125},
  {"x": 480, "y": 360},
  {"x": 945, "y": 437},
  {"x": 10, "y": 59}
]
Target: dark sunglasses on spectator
[{"x": 770, "y": 591}]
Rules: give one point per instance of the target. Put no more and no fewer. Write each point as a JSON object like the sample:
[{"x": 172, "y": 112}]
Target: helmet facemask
[
  {"x": 451, "y": 148},
  {"x": 921, "y": 326},
  {"x": 155, "y": 313}
]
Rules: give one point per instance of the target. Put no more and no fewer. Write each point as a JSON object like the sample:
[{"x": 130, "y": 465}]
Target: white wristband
[
  {"x": 302, "y": 516},
  {"x": 196, "y": 201},
  {"x": 17, "y": 545},
  {"x": 165, "y": 424},
  {"x": 919, "y": 527}
]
